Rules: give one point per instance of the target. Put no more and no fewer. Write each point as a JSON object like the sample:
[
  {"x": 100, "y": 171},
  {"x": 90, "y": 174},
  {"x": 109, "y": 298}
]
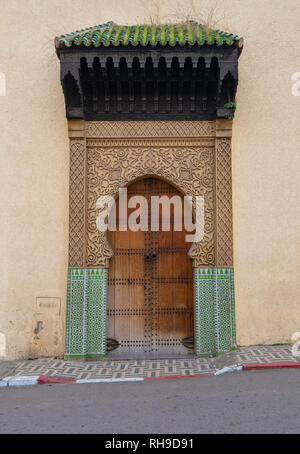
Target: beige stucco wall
[{"x": 34, "y": 165}]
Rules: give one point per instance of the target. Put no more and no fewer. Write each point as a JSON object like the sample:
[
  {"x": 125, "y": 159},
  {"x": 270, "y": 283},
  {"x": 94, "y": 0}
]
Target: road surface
[{"x": 247, "y": 402}]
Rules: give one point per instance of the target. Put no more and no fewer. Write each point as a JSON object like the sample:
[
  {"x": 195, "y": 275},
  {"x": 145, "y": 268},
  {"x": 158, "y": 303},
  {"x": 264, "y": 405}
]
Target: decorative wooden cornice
[{"x": 191, "y": 78}]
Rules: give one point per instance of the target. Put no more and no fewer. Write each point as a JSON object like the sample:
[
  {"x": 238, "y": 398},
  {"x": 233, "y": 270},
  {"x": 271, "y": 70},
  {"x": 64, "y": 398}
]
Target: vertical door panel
[{"x": 150, "y": 301}]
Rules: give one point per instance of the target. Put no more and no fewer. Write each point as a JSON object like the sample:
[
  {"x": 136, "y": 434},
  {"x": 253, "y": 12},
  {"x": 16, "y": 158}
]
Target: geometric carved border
[
  {"x": 77, "y": 203},
  {"x": 224, "y": 202},
  {"x": 140, "y": 129}
]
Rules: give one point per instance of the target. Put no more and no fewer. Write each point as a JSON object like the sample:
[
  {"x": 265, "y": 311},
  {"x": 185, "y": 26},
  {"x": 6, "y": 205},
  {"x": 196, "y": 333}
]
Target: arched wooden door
[{"x": 150, "y": 286}]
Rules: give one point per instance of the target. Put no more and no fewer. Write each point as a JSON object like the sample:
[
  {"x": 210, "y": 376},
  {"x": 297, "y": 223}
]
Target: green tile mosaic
[
  {"x": 232, "y": 300},
  {"x": 223, "y": 311},
  {"x": 96, "y": 316},
  {"x": 214, "y": 310},
  {"x": 204, "y": 282},
  {"x": 86, "y": 313},
  {"x": 75, "y": 313}
]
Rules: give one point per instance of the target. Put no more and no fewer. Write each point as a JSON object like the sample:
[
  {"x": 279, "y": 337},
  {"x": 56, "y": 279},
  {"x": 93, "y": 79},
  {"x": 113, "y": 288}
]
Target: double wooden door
[{"x": 150, "y": 285}]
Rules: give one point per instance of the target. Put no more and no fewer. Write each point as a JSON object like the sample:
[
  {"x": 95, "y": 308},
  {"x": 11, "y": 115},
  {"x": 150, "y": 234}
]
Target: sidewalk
[{"x": 116, "y": 369}]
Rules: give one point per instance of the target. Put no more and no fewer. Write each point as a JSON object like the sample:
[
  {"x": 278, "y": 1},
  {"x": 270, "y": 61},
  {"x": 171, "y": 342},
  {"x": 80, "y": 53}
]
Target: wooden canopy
[{"x": 141, "y": 72}]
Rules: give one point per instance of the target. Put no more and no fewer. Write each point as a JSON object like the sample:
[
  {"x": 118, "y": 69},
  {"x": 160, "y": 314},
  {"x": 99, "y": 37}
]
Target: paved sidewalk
[
  {"x": 78, "y": 370},
  {"x": 9, "y": 367}
]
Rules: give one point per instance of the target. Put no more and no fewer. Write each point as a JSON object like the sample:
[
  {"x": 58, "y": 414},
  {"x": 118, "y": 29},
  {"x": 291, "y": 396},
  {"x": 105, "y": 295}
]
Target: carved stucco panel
[
  {"x": 224, "y": 202},
  {"x": 196, "y": 165},
  {"x": 134, "y": 129},
  {"x": 77, "y": 203}
]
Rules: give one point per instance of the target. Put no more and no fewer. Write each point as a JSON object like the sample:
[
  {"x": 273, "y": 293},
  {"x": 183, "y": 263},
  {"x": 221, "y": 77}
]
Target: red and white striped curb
[
  {"x": 258, "y": 366},
  {"x": 28, "y": 380},
  {"x": 264, "y": 366}
]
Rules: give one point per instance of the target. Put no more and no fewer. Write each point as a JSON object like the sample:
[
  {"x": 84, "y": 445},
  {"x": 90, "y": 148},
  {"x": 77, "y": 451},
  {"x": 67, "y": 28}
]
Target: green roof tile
[{"x": 111, "y": 34}]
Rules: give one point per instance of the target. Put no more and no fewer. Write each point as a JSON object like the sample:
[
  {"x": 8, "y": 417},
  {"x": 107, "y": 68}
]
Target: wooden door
[{"x": 150, "y": 286}]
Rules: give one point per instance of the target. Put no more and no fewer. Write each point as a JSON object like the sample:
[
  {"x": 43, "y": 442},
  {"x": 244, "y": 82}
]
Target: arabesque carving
[{"x": 191, "y": 170}]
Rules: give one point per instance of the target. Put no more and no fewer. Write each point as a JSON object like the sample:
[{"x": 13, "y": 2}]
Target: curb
[
  {"x": 178, "y": 377},
  {"x": 265, "y": 366},
  {"x": 44, "y": 380}
]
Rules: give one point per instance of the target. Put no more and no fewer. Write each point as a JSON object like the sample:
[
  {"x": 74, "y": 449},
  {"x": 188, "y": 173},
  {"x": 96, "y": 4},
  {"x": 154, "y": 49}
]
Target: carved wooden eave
[{"x": 186, "y": 74}]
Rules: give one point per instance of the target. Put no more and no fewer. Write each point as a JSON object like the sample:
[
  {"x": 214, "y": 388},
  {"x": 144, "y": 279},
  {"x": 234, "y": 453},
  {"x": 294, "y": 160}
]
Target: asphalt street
[{"x": 247, "y": 402}]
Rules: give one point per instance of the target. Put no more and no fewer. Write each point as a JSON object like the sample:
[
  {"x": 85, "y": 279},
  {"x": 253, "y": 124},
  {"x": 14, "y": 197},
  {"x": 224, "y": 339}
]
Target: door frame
[{"x": 195, "y": 157}]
